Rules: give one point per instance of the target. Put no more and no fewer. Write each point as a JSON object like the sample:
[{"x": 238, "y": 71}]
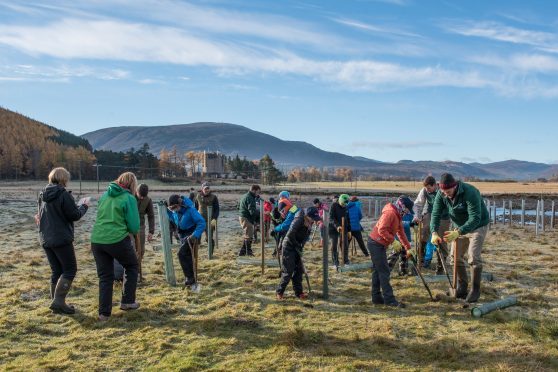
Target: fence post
[
  {"x": 511, "y": 212},
  {"x": 523, "y": 212},
  {"x": 494, "y": 212},
  {"x": 537, "y": 218},
  {"x": 376, "y": 207},
  {"x": 542, "y": 214},
  {"x": 262, "y": 232},
  {"x": 209, "y": 233},
  {"x": 325, "y": 260},
  {"x": 487, "y": 203},
  {"x": 552, "y": 216},
  {"x": 369, "y": 207}
]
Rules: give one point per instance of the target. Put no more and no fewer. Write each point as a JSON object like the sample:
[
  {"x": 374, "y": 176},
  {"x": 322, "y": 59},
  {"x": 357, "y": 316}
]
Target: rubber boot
[
  {"x": 242, "y": 251},
  {"x": 58, "y": 304},
  {"x": 476, "y": 274},
  {"x": 462, "y": 282}
]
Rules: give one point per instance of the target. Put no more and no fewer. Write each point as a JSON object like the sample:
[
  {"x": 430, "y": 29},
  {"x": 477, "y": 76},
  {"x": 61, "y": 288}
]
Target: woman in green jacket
[{"x": 117, "y": 218}]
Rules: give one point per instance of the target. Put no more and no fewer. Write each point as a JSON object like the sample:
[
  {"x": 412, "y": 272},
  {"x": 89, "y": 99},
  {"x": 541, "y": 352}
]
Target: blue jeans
[{"x": 381, "y": 289}]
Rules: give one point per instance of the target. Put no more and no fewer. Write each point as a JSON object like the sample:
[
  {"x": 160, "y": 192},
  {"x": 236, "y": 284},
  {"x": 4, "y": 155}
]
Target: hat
[
  {"x": 313, "y": 213},
  {"x": 406, "y": 202},
  {"x": 174, "y": 199},
  {"x": 272, "y": 200},
  {"x": 447, "y": 181},
  {"x": 316, "y": 201},
  {"x": 205, "y": 185},
  {"x": 284, "y": 194},
  {"x": 343, "y": 199},
  {"x": 354, "y": 198}
]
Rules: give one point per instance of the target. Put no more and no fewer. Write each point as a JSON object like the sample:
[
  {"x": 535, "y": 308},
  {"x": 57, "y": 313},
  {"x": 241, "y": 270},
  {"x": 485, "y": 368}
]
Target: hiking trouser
[
  {"x": 381, "y": 288},
  {"x": 476, "y": 241},
  {"x": 335, "y": 236},
  {"x": 247, "y": 228},
  {"x": 105, "y": 254},
  {"x": 291, "y": 269},
  {"x": 357, "y": 235},
  {"x": 62, "y": 261},
  {"x": 185, "y": 256}
]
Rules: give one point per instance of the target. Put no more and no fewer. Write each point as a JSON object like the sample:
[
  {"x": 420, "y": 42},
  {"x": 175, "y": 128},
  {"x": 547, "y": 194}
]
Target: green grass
[{"x": 235, "y": 323}]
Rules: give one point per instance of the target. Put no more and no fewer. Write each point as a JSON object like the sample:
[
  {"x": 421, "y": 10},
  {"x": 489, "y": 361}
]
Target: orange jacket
[
  {"x": 287, "y": 205},
  {"x": 389, "y": 224}
]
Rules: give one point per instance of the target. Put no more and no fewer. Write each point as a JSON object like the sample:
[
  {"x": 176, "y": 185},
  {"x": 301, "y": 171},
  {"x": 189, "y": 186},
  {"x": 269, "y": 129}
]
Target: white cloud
[
  {"x": 522, "y": 62},
  {"x": 374, "y": 28},
  {"x": 61, "y": 73}
]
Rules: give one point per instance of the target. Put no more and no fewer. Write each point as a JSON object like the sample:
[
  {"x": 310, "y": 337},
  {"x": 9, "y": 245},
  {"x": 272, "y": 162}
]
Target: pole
[
  {"x": 542, "y": 214},
  {"x": 494, "y": 212},
  {"x": 511, "y": 212},
  {"x": 209, "y": 233},
  {"x": 376, "y": 207},
  {"x": 262, "y": 232},
  {"x": 522, "y": 212},
  {"x": 487, "y": 202},
  {"x": 167, "y": 251},
  {"x": 80, "y": 178},
  {"x": 503, "y": 212},
  {"x": 552, "y": 216},
  {"x": 537, "y": 218},
  {"x": 325, "y": 260},
  {"x": 369, "y": 207},
  {"x": 98, "y": 188}
]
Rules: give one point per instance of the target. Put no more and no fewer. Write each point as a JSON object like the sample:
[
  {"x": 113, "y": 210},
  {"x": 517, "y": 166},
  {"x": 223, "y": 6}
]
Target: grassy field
[{"x": 235, "y": 323}]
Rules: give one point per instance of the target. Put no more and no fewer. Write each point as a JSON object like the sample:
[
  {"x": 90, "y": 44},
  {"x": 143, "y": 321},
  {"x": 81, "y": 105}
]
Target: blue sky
[{"x": 386, "y": 79}]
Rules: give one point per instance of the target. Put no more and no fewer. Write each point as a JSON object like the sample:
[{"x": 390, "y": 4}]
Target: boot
[
  {"x": 249, "y": 248},
  {"x": 462, "y": 282},
  {"x": 476, "y": 277},
  {"x": 58, "y": 304},
  {"x": 242, "y": 251}
]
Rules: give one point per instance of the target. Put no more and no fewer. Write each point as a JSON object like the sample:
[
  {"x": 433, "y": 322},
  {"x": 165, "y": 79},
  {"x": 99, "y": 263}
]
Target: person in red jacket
[{"x": 383, "y": 235}]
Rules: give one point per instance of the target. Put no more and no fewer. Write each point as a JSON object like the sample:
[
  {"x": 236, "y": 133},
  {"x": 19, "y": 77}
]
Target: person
[
  {"x": 389, "y": 225},
  {"x": 206, "y": 198},
  {"x": 287, "y": 210},
  {"x": 248, "y": 217},
  {"x": 292, "y": 267},
  {"x": 117, "y": 219},
  {"x": 268, "y": 210},
  {"x": 190, "y": 225},
  {"x": 337, "y": 212},
  {"x": 322, "y": 208},
  {"x": 399, "y": 254},
  {"x": 145, "y": 207},
  {"x": 463, "y": 203},
  {"x": 424, "y": 203},
  {"x": 57, "y": 213},
  {"x": 192, "y": 195},
  {"x": 354, "y": 209}
]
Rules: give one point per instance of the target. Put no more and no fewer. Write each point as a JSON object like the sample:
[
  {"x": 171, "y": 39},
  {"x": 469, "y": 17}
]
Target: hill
[
  {"x": 232, "y": 139},
  {"x": 31, "y": 148}
]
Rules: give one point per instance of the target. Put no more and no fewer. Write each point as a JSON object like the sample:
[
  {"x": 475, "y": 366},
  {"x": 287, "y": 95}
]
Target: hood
[
  {"x": 52, "y": 192},
  {"x": 390, "y": 208},
  {"x": 186, "y": 202},
  {"x": 115, "y": 190}
]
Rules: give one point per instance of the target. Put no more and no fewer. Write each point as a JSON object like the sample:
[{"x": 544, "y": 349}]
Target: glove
[
  {"x": 213, "y": 223},
  {"x": 349, "y": 235},
  {"x": 192, "y": 239},
  {"x": 409, "y": 253},
  {"x": 396, "y": 246},
  {"x": 273, "y": 233},
  {"x": 339, "y": 229},
  {"x": 413, "y": 224},
  {"x": 435, "y": 239},
  {"x": 450, "y": 236}
]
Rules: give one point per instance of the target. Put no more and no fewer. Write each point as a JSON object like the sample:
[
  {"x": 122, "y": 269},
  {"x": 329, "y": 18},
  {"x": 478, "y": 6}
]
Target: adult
[
  {"x": 145, "y": 208},
  {"x": 117, "y": 219},
  {"x": 337, "y": 213},
  {"x": 57, "y": 213},
  {"x": 470, "y": 217},
  {"x": 248, "y": 217},
  {"x": 206, "y": 198}
]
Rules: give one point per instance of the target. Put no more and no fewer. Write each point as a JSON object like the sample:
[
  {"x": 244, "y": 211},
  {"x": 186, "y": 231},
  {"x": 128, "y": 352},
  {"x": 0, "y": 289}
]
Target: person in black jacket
[
  {"x": 57, "y": 213},
  {"x": 337, "y": 212},
  {"x": 293, "y": 244}
]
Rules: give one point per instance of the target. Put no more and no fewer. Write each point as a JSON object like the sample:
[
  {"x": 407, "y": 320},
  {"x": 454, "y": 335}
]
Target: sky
[{"x": 470, "y": 81}]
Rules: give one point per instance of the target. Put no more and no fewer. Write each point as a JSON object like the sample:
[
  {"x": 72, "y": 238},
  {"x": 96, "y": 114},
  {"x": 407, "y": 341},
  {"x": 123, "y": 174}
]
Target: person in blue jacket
[
  {"x": 354, "y": 208},
  {"x": 190, "y": 225}
]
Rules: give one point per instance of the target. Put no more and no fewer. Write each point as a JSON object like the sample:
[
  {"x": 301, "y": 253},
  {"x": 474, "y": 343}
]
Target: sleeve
[
  {"x": 284, "y": 226},
  {"x": 437, "y": 210},
  {"x": 297, "y": 223},
  {"x": 215, "y": 208},
  {"x": 252, "y": 209},
  {"x": 419, "y": 203},
  {"x": 332, "y": 220},
  {"x": 199, "y": 221},
  {"x": 474, "y": 205},
  {"x": 151, "y": 216},
  {"x": 131, "y": 214},
  {"x": 71, "y": 211},
  {"x": 196, "y": 203}
]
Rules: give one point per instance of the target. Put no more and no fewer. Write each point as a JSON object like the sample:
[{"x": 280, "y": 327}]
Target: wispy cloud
[
  {"x": 523, "y": 62},
  {"x": 547, "y": 41},
  {"x": 375, "y": 28},
  {"x": 392, "y": 144},
  {"x": 63, "y": 73}
]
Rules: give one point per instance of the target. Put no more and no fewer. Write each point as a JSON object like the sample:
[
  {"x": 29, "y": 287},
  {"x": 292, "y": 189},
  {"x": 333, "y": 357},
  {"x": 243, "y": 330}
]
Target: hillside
[
  {"x": 29, "y": 148},
  {"x": 234, "y": 139}
]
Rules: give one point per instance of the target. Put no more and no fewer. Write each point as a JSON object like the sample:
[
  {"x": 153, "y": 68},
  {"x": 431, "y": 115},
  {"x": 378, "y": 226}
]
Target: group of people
[{"x": 123, "y": 208}]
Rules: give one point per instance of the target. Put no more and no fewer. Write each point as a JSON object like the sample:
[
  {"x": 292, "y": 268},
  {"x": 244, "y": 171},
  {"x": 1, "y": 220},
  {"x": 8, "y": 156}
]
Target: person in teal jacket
[
  {"x": 191, "y": 225},
  {"x": 117, "y": 219},
  {"x": 467, "y": 211}
]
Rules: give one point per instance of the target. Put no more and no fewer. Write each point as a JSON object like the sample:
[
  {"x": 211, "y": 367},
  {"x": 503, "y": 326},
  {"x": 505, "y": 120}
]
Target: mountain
[
  {"x": 232, "y": 139},
  {"x": 31, "y": 148}
]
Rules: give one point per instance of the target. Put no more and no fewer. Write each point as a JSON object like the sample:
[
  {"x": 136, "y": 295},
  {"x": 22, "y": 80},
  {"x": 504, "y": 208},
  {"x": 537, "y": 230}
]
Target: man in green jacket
[
  {"x": 469, "y": 215},
  {"x": 248, "y": 216}
]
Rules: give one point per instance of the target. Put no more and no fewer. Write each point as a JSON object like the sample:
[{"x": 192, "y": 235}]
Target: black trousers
[
  {"x": 105, "y": 254},
  {"x": 291, "y": 269},
  {"x": 185, "y": 256},
  {"x": 381, "y": 287},
  {"x": 357, "y": 235},
  {"x": 62, "y": 261},
  {"x": 335, "y": 236}
]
